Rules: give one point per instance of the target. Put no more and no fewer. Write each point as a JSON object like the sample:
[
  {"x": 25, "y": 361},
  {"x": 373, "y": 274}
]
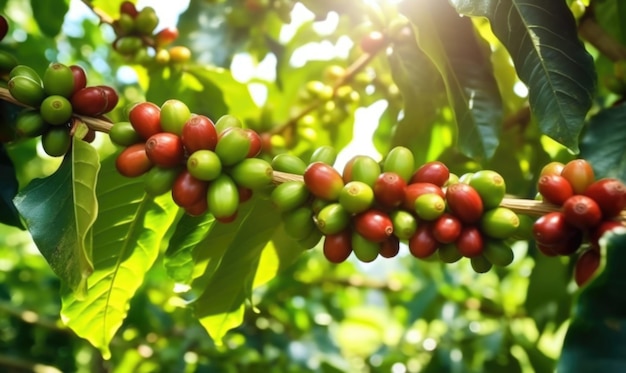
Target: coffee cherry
[
  {"x": 554, "y": 189},
  {"x": 146, "y": 119},
  {"x": 356, "y": 197},
  {"x": 25, "y": 71},
  {"x": 325, "y": 154},
  {"x": 289, "y": 195},
  {"x": 361, "y": 168},
  {"x": 579, "y": 174},
  {"x": 223, "y": 197},
  {"x": 146, "y": 21},
  {"x": 90, "y": 136},
  {"x": 227, "y": 121},
  {"x": 128, "y": 7},
  {"x": 123, "y": 134},
  {"x": 311, "y": 240},
  {"x": 90, "y": 101},
  {"x": 56, "y": 110},
  {"x": 79, "y": 78},
  {"x": 253, "y": 173},
  {"x": 128, "y": 45},
  {"x": 232, "y": 146},
  {"x": 198, "y": 209},
  {"x": 586, "y": 266},
  {"x": 338, "y": 247},
  {"x": 26, "y": 90},
  {"x": 499, "y": 222},
  {"x": 323, "y": 181},
  {"x": 204, "y": 165},
  {"x": 552, "y": 231},
  {"x": 582, "y": 212},
  {"x": 187, "y": 190},
  {"x": 464, "y": 202},
  {"x": 413, "y": 191},
  {"x": 449, "y": 253},
  {"x": 525, "y": 230},
  {"x": 58, "y": 79},
  {"x": 480, "y": 264},
  {"x": 4, "y": 27},
  {"x": 447, "y": 228},
  {"x": 390, "y": 247},
  {"x": 498, "y": 252},
  {"x": 490, "y": 186},
  {"x": 7, "y": 62},
  {"x": 430, "y": 206},
  {"x": 552, "y": 168},
  {"x": 298, "y": 223},
  {"x": 332, "y": 219},
  {"x": 374, "y": 225},
  {"x": 111, "y": 98},
  {"x": 364, "y": 249},
  {"x": 255, "y": 143},
  {"x": 133, "y": 161},
  {"x": 29, "y": 123},
  {"x": 373, "y": 42},
  {"x": 166, "y": 36},
  {"x": 180, "y": 54},
  {"x": 289, "y": 163},
  {"x": 423, "y": 243},
  {"x": 124, "y": 25},
  {"x": 244, "y": 194},
  {"x": 174, "y": 115},
  {"x": 389, "y": 190},
  {"x": 56, "y": 141},
  {"x": 165, "y": 149},
  {"x": 160, "y": 180},
  {"x": 606, "y": 226},
  {"x": 470, "y": 242},
  {"x": 404, "y": 224},
  {"x": 609, "y": 194},
  {"x": 433, "y": 172},
  {"x": 400, "y": 160},
  {"x": 199, "y": 133}
]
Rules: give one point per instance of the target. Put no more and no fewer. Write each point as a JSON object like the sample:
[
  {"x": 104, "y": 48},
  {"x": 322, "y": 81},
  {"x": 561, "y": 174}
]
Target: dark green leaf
[
  {"x": 60, "y": 211},
  {"x": 603, "y": 143},
  {"x": 8, "y": 190},
  {"x": 596, "y": 338},
  {"x": 542, "y": 38},
  {"x": 49, "y": 15},
  {"x": 462, "y": 59}
]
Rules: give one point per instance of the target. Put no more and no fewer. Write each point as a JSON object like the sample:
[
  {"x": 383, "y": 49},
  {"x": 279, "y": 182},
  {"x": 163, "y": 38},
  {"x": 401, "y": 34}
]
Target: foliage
[{"x": 118, "y": 280}]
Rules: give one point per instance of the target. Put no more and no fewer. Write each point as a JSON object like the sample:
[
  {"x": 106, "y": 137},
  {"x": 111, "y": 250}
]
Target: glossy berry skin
[
  {"x": 404, "y": 224},
  {"x": 579, "y": 174},
  {"x": 128, "y": 7},
  {"x": 609, "y": 194},
  {"x": 433, "y": 172},
  {"x": 413, "y": 191},
  {"x": 356, "y": 197},
  {"x": 123, "y": 134},
  {"x": 223, "y": 197},
  {"x": 4, "y": 27},
  {"x": 389, "y": 190},
  {"x": 338, "y": 247},
  {"x": 365, "y": 250},
  {"x": 111, "y": 98},
  {"x": 166, "y": 36},
  {"x": 160, "y": 180},
  {"x": 323, "y": 181},
  {"x": 430, "y": 206},
  {"x": 552, "y": 232},
  {"x": 233, "y": 146},
  {"x": 606, "y": 226},
  {"x": 58, "y": 79},
  {"x": 373, "y": 42},
  {"x": 490, "y": 186},
  {"x": 390, "y": 247},
  {"x": 146, "y": 119},
  {"x": 174, "y": 115},
  {"x": 199, "y": 208},
  {"x": 204, "y": 165},
  {"x": 56, "y": 141},
  {"x": 56, "y": 110},
  {"x": 325, "y": 154},
  {"x": 464, "y": 202},
  {"x": 80, "y": 78},
  {"x": 199, "y": 133},
  {"x": 289, "y": 195},
  {"x": 361, "y": 168},
  {"x": 586, "y": 265},
  {"x": 133, "y": 161},
  {"x": 423, "y": 243},
  {"x": 470, "y": 242},
  {"x": 374, "y": 225},
  {"x": 26, "y": 90},
  {"x": 554, "y": 188},
  {"x": 90, "y": 101},
  {"x": 499, "y": 222},
  {"x": 552, "y": 168},
  {"x": 165, "y": 149},
  {"x": 255, "y": 143},
  {"x": 582, "y": 212},
  {"x": 400, "y": 161},
  {"x": 253, "y": 173},
  {"x": 187, "y": 190},
  {"x": 447, "y": 228}
]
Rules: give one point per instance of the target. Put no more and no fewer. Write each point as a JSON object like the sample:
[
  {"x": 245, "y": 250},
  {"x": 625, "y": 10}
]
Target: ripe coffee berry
[
  {"x": 470, "y": 242},
  {"x": 433, "y": 172},
  {"x": 586, "y": 265},
  {"x": 80, "y": 78},
  {"x": 390, "y": 247},
  {"x": 199, "y": 134},
  {"x": 90, "y": 101},
  {"x": 554, "y": 233},
  {"x": 464, "y": 202},
  {"x": 187, "y": 190},
  {"x": 582, "y": 212},
  {"x": 133, "y": 161},
  {"x": 554, "y": 188},
  {"x": 374, "y": 225},
  {"x": 447, "y": 228},
  {"x": 323, "y": 181},
  {"x": 389, "y": 189},
  {"x": 552, "y": 168},
  {"x": 338, "y": 247},
  {"x": 579, "y": 173},
  {"x": 146, "y": 119},
  {"x": 255, "y": 143},
  {"x": 609, "y": 194},
  {"x": 165, "y": 149},
  {"x": 423, "y": 243}
]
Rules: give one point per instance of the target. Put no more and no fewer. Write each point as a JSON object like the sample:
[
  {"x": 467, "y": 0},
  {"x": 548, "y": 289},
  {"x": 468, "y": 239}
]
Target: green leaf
[
  {"x": 462, "y": 59},
  {"x": 541, "y": 37},
  {"x": 49, "y": 15},
  {"x": 110, "y": 7},
  {"x": 8, "y": 189},
  {"x": 127, "y": 236},
  {"x": 60, "y": 211},
  {"x": 221, "y": 305},
  {"x": 596, "y": 338},
  {"x": 603, "y": 143}
]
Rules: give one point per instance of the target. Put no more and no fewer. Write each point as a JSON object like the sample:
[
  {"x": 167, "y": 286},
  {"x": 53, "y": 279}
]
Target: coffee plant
[{"x": 288, "y": 185}]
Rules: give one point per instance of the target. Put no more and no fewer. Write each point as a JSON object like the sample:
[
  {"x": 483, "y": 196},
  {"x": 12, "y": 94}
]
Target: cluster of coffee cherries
[
  {"x": 588, "y": 209},
  {"x": 371, "y": 208},
  {"x": 135, "y": 30},
  {"x": 206, "y": 166},
  {"x": 52, "y": 100}
]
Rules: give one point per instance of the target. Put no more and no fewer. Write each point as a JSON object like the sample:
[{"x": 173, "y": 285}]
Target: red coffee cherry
[
  {"x": 586, "y": 265},
  {"x": 187, "y": 190},
  {"x": 554, "y": 188},
  {"x": 80, "y": 78},
  {"x": 199, "y": 134},
  {"x": 423, "y": 243},
  {"x": 255, "y": 143},
  {"x": 90, "y": 101},
  {"x": 111, "y": 97},
  {"x": 464, "y": 202},
  {"x": 609, "y": 194},
  {"x": 323, "y": 181},
  {"x": 470, "y": 242},
  {"x": 373, "y": 42},
  {"x": 4, "y": 27},
  {"x": 601, "y": 229},
  {"x": 389, "y": 189},
  {"x": 413, "y": 191},
  {"x": 166, "y": 36},
  {"x": 552, "y": 232},
  {"x": 552, "y": 168},
  {"x": 433, "y": 172},
  {"x": 129, "y": 8},
  {"x": 200, "y": 208},
  {"x": 447, "y": 228},
  {"x": 579, "y": 173},
  {"x": 165, "y": 149},
  {"x": 390, "y": 247},
  {"x": 133, "y": 161},
  {"x": 582, "y": 212},
  {"x": 146, "y": 119},
  {"x": 374, "y": 225},
  {"x": 338, "y": 247}
]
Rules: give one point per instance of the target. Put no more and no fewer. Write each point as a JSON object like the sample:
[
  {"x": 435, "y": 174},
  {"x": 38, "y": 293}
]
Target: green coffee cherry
[
  {"x": 449, "y": 253},
  {"x": 223, "y": 197},
  {"x": 204, "y": 165},
  {"x": 232, "y": 146},
  {"x": 364, "y": 169},
  {"x": 311, "y": 240},
  {"x": 26, "y": 71},
  {"x": 174, "y": 115},
  {"x": 56, "y": 141},
  {"x": 498, "y": 252},
  {"x": 29, "y": 123},
  {"x": 499, "y": 222},
  {"x": 480, "y": 264},
  {"x": 326, "y": 154},
  {"x": 128, "y": 45},
  {"x": 430, "y": 206},
  {"x": 58, "y": 79},
  {"x": 227, "y": 121},
  {"x": 356, "y": 197},
  {"x": 490, "y": 186},
  {"x": 289, "y": 163},
  {"x": 26, "y": 90},
  {"x": 332, "y": 219},
  {"x": 299, "y": 223},
  {"x": 160, "y": 180},
  {"x": 365, "y": 250},
  {"x": 253, "y": 173},
  {"x": 56, "y": 110},
  {"x": 404, "y": 224},
  {"x": 146, "y": 21},
  {"x": 123, "y": 134},
  {"x": 7, "y": 61},
  {"x": 401, "y": 161},
  {"x": 289, "y": 195}
]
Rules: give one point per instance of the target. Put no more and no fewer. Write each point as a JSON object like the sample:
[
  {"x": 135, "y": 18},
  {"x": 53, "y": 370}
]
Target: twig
[
  {"x": 104, "y": 18},
  {"x": 591, "y": 31}
]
